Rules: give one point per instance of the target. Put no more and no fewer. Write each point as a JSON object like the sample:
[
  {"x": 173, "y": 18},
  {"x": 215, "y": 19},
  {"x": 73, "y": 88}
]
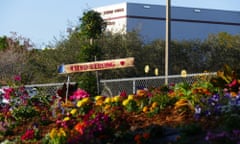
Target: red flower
[
  {"x": 138, "y": 138},
  {"x": 146, "y": 135},
  {"x": 28, "y": 135},
  {"x": 123, "y": 94}
]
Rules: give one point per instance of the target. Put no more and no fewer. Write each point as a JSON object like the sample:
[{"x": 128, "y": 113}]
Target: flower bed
[{"x": 177, "y": 113}]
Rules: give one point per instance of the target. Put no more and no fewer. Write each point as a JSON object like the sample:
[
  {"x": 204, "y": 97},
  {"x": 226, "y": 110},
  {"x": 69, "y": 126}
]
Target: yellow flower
[
  {"x": 116, "y": 98},
  {"x": 152, "y": 109},
  {"x": 53, "y": 133},
  {"x": 125, "y": 102},
  {"x": 98, "y": 98},
  {"x": 67, "y": 104},
  {"x": 85, "y": 100},
  {"x": 154, "y": 104},
  {"x": 79, "y": 103},
  {"x": 145, "y": 109},
  {"x": 61, "y": 132},
  {"x": 107, "y": 100},
  {"x": 73, "y": 111},
  {"x": 130, "y": 97},
  {"x": 66, "y": 119},
  {"x": 107, "y": 107},
  {"x": 57, "y": 133}
]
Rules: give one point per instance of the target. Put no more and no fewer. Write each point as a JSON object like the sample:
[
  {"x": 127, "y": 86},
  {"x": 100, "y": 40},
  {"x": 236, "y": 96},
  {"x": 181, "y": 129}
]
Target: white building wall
[
  {"x": 186, "y": 23},
  {"x": 115, "y": 16}
]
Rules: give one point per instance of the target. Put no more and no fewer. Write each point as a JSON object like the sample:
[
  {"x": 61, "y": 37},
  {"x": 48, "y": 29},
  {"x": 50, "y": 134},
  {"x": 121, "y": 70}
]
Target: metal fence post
[{"x": 134, "y": 86}]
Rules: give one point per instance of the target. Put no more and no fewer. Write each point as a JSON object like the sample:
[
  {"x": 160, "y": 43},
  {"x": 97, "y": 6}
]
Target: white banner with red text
[{"x": 97, "y": 65}]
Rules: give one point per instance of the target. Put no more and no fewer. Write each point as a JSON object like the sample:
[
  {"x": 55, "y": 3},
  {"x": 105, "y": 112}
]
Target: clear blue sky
[{"x": 42, "y": 21}]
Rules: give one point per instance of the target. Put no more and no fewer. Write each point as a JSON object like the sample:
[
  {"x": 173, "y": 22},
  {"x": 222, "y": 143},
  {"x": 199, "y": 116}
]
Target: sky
[{"x": 45, "y": 21}]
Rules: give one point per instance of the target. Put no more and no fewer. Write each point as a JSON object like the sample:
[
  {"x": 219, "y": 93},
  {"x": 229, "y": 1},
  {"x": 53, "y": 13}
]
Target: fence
[
  {"x": 49, "y": 89},
  {"x": 114, "y": 86}
]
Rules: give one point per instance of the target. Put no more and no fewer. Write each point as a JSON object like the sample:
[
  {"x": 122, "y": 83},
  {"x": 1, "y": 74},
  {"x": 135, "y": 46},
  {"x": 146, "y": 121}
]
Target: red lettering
[
  {"x": 100, "y": 66},
  {"x": 75, "y": 68},
  {"x": 109, "y": 64},
  {"x": 91, "y": 66},
  {"x": 71, "y": 68},
  {"x": 84, "y": 67}
]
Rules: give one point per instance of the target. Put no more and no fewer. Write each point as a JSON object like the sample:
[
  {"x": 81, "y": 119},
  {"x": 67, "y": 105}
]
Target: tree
[
  {"x": 92, "y": 24},
  {"x": 92, "y": 27},
  {"x": 153, "y": 55},
  {"x": 118, "y": 45},
  {"x": 187, "y": 55},
  {"x": 13, "y": 57},
  {"x": 221, "y": 49},
  {"x": 3, "y": 43}
]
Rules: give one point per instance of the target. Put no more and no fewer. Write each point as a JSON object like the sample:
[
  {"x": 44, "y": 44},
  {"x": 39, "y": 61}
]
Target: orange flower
[
  {"x": 145, "y": 109},
  {"x": 99, "y": 102},
  {"x": 154, "y": 104},
  {"x": 80, "y": 127},
  {"x": 233, "y": 94},
  {"x": 141, "y": 93},
  {"x": 171, "y": 94},
  {"x": 208, "y": 93}
]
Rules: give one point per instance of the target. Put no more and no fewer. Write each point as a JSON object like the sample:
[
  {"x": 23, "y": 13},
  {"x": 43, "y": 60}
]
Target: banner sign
[{"x": 97, "y": 65}]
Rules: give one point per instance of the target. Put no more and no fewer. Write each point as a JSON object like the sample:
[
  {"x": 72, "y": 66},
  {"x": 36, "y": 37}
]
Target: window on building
[
  {"x": 146, "y": 6},
  {"x": 197, "y": 10}
]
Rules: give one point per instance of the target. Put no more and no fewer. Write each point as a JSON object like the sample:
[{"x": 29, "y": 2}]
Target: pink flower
[
  {"x": 7, "y": 94},
  {"x": 233, "y": 83},
  {"x": 17, "y": 78},
  {"x": 149, "y": 94},
  {"x": 79, "y": 94}
]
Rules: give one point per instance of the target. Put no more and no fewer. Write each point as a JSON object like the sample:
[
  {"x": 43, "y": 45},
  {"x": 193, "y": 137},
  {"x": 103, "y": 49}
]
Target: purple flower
[
  {"x": 197, "y": 112},
  {"x": 236, "y": 132},
  {"x": 215, "y": 97},
  {"x": 210, "y": 136},
  {"x": 238, "y": 101},
  {"x": 208, "y": 113},
  {"x": 227, "y": 95},
  {"x": 213, "y": 136}
]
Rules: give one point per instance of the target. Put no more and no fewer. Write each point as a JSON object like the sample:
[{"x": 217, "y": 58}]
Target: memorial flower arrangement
[{"x": 124, "y": 117}]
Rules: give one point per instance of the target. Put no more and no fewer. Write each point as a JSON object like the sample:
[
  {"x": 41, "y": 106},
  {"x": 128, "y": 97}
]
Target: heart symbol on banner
[{"x": 122, "y": 62}]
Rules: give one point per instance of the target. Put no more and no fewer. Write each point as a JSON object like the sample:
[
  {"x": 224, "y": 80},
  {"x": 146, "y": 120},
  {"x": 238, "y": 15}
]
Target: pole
[
  {"x": 168, "y": 37},
  {"x": 97, "y": 79},
  {"x": 68, "y": 81}
]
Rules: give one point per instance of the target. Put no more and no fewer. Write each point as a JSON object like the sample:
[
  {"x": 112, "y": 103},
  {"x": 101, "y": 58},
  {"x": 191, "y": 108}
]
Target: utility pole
[{"x": 168, "y": 37}]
